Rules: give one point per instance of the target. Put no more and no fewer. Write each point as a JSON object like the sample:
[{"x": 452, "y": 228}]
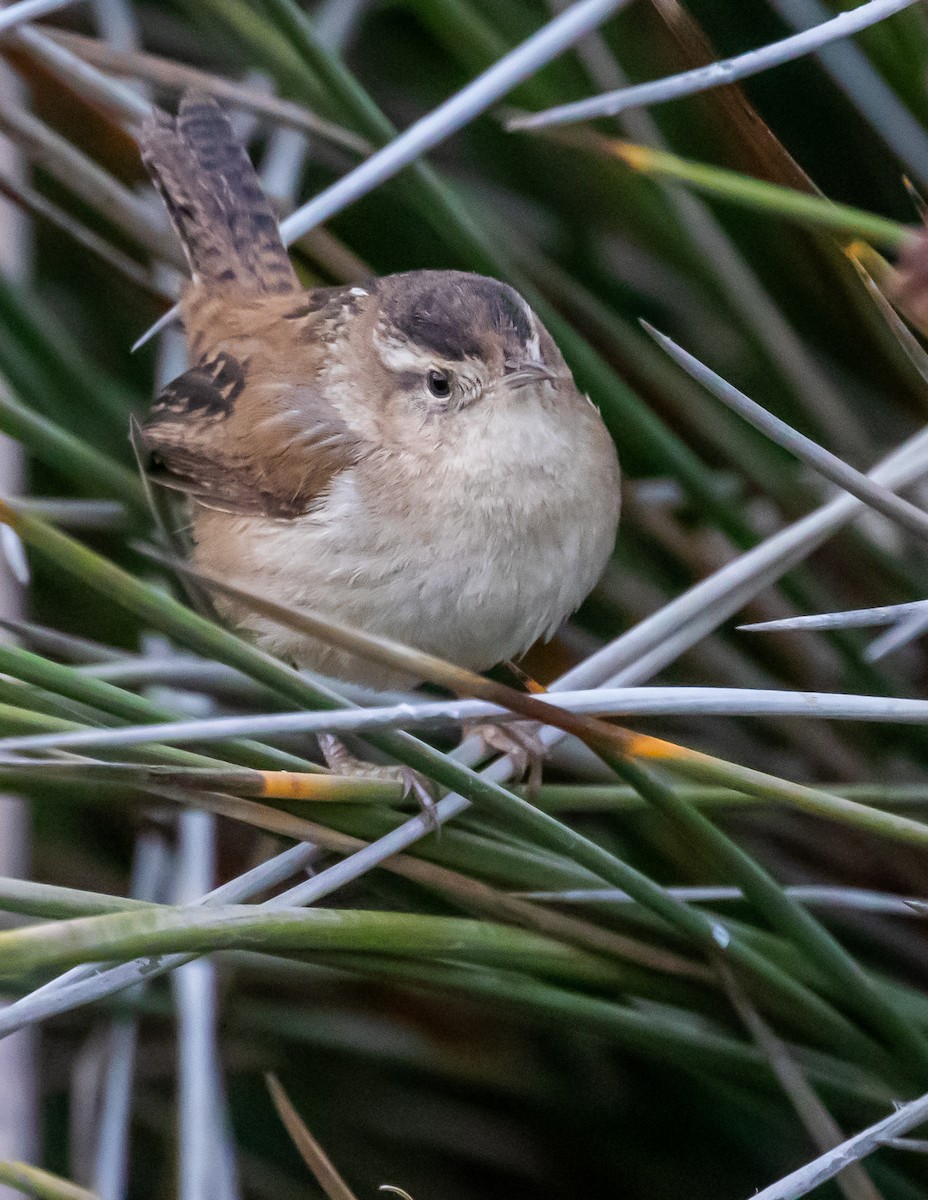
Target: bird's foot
[
  {"x": 521, "y": 741},
  {"x": 341, "y": 761}
]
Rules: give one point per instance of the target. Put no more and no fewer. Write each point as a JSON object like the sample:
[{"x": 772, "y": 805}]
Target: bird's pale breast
[{"x": 504, "y": 539}]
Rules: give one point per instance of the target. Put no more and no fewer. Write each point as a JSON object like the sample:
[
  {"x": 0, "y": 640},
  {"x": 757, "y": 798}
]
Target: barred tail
[{"x": 215, "y": 200}]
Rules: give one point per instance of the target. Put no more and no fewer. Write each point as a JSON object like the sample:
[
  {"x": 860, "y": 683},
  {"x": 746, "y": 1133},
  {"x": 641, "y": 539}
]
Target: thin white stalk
[
  {"x": 826, "y": 1166},
  {"x": 906, "y": 631},
  {"x": 867, "y": 90},
  {"x": 627, "y": 702},
  {"x": 110, "y": 1171},
  {"x": 909, "y": 516},
  {"x": 337, "y": 21},
  {"x": 179, "y": 669},
  {"x": 54, "y": 643},
  {"x": 199, "y": 1121},
  {"x": 117, "y": 25},
  {"x": 907, "y": 622},
  {"x": 813, "y": 895},
  {"x": 71, "y": 513},
  {"x": 283, "y": 163},
  {"x": 29, "y": 10},
  {"x": 72, "y": 902},
  {"x": 852, "y": 618},
  {"x": 728, "y": 70}
]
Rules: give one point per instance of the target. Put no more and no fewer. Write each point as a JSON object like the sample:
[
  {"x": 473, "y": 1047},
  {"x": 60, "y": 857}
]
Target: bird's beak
[{"x": 520, "y": 374}]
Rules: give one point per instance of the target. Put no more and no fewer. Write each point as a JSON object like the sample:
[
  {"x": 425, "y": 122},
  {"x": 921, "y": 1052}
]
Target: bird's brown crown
[{"x": 456, "y": 315}]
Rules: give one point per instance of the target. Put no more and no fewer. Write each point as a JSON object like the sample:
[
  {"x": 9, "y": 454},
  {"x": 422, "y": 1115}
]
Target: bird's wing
[{"x": 253, "y": 446}]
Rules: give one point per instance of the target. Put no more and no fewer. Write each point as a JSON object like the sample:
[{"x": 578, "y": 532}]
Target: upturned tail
[{"x": 215, "y": 200}]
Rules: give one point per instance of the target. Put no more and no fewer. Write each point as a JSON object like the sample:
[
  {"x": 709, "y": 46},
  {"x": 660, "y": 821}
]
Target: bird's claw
[
  {"x": 522, "y": 743},
  {"x": 341, "y": 761},
  {"x": 419, "y": 786}
]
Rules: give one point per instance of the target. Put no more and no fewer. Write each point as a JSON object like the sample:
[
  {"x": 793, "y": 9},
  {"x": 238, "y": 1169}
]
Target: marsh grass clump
[{"x": 694, "y": 960}]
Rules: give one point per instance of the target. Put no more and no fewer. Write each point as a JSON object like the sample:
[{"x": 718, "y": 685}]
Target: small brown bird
[{"x": 410, "y": 456}]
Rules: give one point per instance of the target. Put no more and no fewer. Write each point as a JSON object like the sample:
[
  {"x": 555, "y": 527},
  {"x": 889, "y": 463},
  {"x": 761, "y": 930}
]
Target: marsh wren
[{"x": 410, "y": 456}]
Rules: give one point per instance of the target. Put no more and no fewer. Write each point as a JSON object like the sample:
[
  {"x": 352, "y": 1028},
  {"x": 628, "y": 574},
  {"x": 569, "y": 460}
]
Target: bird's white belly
[{"x": 475, "y": 586}]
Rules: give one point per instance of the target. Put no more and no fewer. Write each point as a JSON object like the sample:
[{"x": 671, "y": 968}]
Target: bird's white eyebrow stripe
[
  {"x": 533, "y": 345},
  {"x": 398, "y": 355}
]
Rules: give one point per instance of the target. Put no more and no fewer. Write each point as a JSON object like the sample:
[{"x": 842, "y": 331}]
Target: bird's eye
[{"x": 439, "y": 384}]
